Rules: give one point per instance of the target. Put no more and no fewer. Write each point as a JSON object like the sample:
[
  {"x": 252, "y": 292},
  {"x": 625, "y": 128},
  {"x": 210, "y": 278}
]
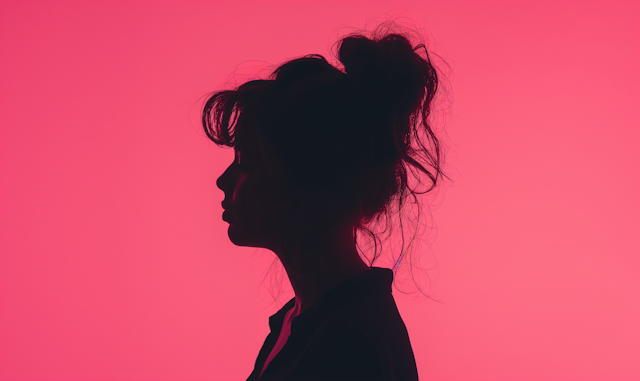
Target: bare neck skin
[{"x": 341, "y": 262}]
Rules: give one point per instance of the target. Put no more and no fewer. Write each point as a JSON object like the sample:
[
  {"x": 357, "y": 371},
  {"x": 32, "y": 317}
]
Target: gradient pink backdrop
[{"x": 114, "y": 260}]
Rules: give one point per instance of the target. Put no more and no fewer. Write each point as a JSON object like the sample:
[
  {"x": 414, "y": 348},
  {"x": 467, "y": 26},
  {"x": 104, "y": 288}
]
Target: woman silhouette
[{"x": 319, "y": 152}]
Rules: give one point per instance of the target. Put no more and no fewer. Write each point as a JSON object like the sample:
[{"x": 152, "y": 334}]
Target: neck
[
  {"x": 309, "y": 288},
  {"x": 336, "y": 261}
]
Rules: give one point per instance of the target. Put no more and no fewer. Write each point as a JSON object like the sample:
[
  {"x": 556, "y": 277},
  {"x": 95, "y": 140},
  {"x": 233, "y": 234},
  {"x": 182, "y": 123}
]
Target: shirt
[{"x": 353, "y": 332}]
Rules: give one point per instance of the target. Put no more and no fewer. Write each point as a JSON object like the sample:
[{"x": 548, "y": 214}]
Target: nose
[
  {"x": 223, "y": 181},
  {"x": 220, "y": 183}
]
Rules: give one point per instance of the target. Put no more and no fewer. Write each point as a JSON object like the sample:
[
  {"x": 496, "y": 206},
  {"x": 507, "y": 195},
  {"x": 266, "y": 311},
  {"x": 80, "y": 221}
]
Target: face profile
[{"x": 250, "y": 201}]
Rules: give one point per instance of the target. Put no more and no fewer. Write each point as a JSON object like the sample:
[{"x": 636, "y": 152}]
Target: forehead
[{"x": 246, "y": 133}]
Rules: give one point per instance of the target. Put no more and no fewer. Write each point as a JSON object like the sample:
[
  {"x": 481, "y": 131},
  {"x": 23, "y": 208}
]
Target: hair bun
[
  {"x": 386, "y": 68},
  {"x": 357, "y": 53}
]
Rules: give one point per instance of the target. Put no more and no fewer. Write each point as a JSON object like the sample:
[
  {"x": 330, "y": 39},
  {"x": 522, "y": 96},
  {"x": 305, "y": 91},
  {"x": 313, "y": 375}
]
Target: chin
[{"x": 239, "y": 239}]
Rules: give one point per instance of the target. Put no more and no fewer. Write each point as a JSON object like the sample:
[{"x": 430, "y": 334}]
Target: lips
[{"x": 226, "y": 216}]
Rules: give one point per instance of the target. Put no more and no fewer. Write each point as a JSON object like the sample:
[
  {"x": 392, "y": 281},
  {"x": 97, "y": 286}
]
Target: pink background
[{"x": 114, "y": 260}]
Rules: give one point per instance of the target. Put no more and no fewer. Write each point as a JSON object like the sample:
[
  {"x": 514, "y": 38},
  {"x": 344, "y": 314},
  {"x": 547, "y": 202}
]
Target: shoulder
[
  {"x": 343, "y": 351},
  {"x": 369, "y": 335}
]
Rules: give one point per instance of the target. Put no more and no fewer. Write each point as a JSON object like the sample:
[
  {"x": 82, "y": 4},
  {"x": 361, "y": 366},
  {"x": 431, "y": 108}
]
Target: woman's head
[{"x": 333, "y": 147}]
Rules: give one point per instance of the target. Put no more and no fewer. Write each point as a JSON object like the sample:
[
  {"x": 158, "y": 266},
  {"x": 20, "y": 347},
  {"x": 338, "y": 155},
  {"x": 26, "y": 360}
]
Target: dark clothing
[{"x": 354, "y": 332}]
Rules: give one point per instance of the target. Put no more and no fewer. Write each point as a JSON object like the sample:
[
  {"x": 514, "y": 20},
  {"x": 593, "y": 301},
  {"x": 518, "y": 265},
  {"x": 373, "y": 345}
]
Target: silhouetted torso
[{"x": 354, "y": 332}]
